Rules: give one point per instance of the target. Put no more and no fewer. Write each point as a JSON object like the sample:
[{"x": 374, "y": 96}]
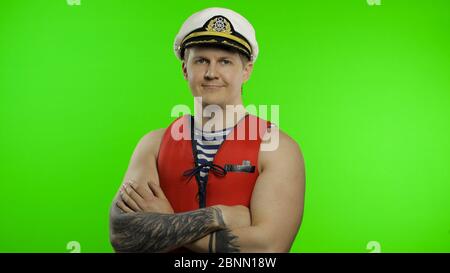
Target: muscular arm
[
  {"x": 151, "y": 231},
  {"x": 276, "y": 206},
  {"x": 156, "y": 232}
]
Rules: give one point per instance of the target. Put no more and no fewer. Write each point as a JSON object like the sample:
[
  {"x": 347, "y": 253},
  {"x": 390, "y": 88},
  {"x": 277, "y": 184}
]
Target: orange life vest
[{"x": 231, "y": 177}]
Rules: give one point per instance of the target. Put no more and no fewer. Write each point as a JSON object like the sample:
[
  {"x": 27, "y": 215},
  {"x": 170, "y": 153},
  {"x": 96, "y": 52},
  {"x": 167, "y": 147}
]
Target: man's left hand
[{"x": 143, "y": 197}]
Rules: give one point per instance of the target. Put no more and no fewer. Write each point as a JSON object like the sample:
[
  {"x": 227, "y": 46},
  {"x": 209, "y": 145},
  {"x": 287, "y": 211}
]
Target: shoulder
[
  {"x": 150, "y": 142},
  {"x": 278, "y": 148},
  {"x": 153, "y": 136},
  {"x": 289, "y": 145}
]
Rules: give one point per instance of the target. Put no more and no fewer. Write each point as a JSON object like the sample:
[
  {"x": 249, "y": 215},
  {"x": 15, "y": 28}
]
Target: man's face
[{"x": 216, "y": 75}]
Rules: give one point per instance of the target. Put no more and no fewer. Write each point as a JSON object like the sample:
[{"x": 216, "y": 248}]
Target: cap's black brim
[{"x": 216, "y": 42}]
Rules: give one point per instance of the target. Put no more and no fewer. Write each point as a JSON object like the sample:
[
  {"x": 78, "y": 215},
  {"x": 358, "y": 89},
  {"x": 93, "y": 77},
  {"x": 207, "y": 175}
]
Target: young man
[{"x": 218, "y": 190}]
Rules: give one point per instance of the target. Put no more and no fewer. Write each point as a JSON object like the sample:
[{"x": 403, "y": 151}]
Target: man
[{"x": 219, "y": 190}]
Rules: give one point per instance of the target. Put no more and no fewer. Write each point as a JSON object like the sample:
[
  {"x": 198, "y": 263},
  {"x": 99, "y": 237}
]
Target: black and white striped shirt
[{"x": 207, "y": 144}]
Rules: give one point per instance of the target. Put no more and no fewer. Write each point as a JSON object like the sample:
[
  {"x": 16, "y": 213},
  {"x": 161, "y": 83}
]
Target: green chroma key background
[{"x": 364, "y": 89}]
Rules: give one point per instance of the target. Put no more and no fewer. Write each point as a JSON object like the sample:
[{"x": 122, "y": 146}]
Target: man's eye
[
  {"x": 200, "y": 61},
  {"x": 225, "y": 61}
]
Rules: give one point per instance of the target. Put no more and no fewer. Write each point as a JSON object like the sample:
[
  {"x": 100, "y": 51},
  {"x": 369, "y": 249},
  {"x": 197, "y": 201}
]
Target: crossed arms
[{"x": 142, "y": 219}]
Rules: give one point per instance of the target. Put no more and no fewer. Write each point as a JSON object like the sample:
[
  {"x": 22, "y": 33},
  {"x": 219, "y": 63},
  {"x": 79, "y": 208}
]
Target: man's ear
[
  {"x": 183, "y": 67},
  {"x": 248, "y": 69}
]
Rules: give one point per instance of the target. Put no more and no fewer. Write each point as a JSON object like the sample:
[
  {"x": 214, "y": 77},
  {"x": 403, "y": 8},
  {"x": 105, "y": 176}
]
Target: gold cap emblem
[{"x": 219, "y": 24}]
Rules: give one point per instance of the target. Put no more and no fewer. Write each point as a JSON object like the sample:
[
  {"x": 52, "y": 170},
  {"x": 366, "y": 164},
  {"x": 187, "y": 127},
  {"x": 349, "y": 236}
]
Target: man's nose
[{"x": 211, "y": 72}]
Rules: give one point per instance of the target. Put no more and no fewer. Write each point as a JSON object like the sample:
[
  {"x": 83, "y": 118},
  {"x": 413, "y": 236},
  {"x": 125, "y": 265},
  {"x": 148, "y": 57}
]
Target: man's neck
[{"x": 215, "y": 117}]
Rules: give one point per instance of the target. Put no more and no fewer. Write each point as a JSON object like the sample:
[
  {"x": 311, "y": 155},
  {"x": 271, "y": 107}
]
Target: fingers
[
  {"x": 129, "y": 196},
  {"x": 121, "y": 205},
  {"x": 144, "y": 192},
  {"x": 156, "y": 189},
  {"x": 140, "y": 188},
  {"x": 133, "y": 189}
]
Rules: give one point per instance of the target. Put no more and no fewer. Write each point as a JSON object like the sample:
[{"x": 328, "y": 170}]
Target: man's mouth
[{"x": 211, "y": 86}]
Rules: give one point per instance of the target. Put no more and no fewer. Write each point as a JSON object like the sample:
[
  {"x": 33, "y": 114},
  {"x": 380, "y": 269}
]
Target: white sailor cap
[{"x": 217, "y": 27}]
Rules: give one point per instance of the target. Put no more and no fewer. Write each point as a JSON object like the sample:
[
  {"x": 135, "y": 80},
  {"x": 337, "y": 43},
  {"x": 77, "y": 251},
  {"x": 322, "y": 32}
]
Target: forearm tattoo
[
  {"x": 226, "y": 242},
  {"x": 156, "y": 232},
  {"x": 223, "y": 241}
]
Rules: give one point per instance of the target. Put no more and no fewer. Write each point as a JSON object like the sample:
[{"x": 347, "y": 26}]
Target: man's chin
[{"x": 213, "y": 99}]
